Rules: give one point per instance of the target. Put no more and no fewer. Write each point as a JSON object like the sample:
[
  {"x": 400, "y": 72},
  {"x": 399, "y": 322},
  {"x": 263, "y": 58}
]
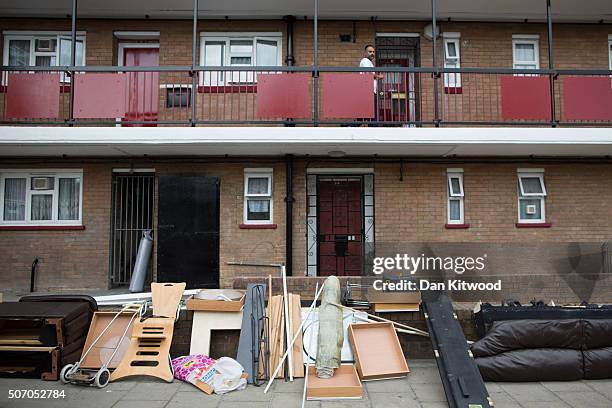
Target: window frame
[
  {"x": 451, "y": 196},
  {"x": 226, "y": 38},
  {"x": 531, "y": 173},
  {"x": 526, "y": 39},
  {"x": 452, "y": 80},
  {"x": 258, "y": 173},
  {"x": 27, "y": 174},
  {"x": 32, "y": 36}
]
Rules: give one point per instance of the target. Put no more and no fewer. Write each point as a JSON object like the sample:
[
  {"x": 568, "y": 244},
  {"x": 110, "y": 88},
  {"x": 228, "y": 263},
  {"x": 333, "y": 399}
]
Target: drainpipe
[
  {"x": 289, "y": 215},
  {"x": 290, "y": 58},
  {"x": 552, "y": 77}
]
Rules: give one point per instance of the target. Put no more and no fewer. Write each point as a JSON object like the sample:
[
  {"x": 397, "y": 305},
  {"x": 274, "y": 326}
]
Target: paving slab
[
  {"x": 394, "y": 400},
  {"x": 429, "y": 392},
  {"x": 346, "y": 404},
  {"x": 243, "y": 404},
  {"x": 585, "y": 399},
  {"x": 603, "y": 387},
  {"x": 566, "y": 386},
  {"x": 529, "y": 392},
  {"x": 389, "y": 386},
  {"x": 287, "y": 400}
]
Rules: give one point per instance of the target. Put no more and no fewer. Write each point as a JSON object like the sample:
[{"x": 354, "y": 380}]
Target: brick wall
[{"x": 410, "y": 217}]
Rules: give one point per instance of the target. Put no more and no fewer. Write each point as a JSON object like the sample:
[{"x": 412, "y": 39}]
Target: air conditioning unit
[
  {"x": 42, "y": 183},
  {"x": 44, "y": 45},
  {"x": 531, "y": 209}
]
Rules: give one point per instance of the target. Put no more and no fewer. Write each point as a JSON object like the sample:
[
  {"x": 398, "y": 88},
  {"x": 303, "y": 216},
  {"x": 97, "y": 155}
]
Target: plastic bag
[{"x": 228, "y": 376}]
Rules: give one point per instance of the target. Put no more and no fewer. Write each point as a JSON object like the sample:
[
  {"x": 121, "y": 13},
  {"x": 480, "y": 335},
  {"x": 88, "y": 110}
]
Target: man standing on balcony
[{"x": 368, "y": 62}]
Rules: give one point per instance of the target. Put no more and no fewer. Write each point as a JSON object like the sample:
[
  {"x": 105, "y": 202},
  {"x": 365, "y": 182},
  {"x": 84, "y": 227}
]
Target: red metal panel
[
  {"x": 525, "y": 97},
  {"x": 284, "y": 96},
  {"x": 347, "y": 95},
  {"x": 99, "y": 96},
  {"x": 587, "y": 98},
  {"x": 33, "y": 96}
]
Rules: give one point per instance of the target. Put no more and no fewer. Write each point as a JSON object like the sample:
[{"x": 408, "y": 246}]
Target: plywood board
[
  {"x": 166, "y": 298},
  {"x": 294, "y": 313},
  {"x": 396, "y": 307},
  {"x": 344, "y": 384},
  {"x": 214, "y": 305},
  {"x": 378, "y": 353},
  {"x": 111, "y": 339},
  {"x": 204, "y": 322}
]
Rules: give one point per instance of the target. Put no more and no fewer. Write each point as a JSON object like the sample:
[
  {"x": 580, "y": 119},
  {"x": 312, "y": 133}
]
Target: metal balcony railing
[{"x": 303, "y": 96}]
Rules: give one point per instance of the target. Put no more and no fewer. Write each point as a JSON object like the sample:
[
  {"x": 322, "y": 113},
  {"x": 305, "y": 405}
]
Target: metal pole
[
  {"x": 434, "y": 62},
  {"x": 315, "y": 72},
  {"x": 72, "y": 58},
  {"x": 551, "y": 77},
  {"x": 194, "y": 74}
]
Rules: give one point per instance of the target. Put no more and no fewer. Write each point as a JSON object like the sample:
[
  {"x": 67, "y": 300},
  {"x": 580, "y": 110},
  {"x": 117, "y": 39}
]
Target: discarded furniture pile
[
  {"x": 543, "y": 343},
  {"x": 38, "y": 335}
]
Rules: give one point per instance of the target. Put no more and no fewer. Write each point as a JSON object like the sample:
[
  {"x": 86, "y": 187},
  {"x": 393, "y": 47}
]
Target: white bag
[{"x": 228, "y": 376}]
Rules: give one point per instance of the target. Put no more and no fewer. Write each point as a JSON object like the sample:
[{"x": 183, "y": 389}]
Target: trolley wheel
[
  {"x": 102, "y": 378},
  {"x": 63, "y": 373}
]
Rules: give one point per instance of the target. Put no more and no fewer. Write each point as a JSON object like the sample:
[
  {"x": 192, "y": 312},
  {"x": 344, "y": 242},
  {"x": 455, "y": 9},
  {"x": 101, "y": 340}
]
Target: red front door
[
  {"x": 143, "y": 87},
  {"x": 340, "y": 227}
]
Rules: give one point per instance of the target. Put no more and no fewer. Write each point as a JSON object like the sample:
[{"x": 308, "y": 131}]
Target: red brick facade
[{"x": 409, "y": 212}]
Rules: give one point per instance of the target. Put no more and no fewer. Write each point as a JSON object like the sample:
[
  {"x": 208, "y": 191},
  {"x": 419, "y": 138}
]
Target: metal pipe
[
  {"x": 434, "y": 62},
  {"x": 33, "y": 274},
  {"x": 315, "y": 73},
  {"x": 289, "y": 58},
  {"x": 551, "y": 77},
  {"x": 289, "y": 215},
  {"x": 72, "y": 57},
  {"x": 194, "y": 43}
]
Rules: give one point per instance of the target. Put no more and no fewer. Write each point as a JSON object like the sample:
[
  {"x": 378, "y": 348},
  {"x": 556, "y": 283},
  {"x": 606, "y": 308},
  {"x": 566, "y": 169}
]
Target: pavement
[{"x": 421, "y": 389}]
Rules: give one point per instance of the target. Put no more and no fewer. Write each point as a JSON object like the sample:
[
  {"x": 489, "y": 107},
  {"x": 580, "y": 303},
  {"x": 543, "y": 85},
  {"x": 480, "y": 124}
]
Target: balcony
[{"x": 303, "y": 96}]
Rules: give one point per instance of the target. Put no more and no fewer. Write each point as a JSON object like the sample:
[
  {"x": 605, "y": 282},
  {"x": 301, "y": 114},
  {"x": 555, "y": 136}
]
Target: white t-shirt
[{"x": 366, "y": 63}]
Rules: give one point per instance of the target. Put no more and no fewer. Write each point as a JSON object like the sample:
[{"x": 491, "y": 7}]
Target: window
[
  {"x": 531, "y": 194},
  {"x": 178, "y": 96},
  {"x": 452, "y": 59},
  {"x": 41, "y": 197},
  {"x": 525, "y": 53},
  {"x": 455, "y": 196},
  {"x": 42, "y": 49},
  {"x": 258, "y": 196},
  {"x": 238, "y": 50}
]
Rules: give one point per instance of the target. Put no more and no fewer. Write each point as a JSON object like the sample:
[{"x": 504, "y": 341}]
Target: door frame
[
  {"x": 312, "y": 212},
  {"x": 121, "y": 46}
]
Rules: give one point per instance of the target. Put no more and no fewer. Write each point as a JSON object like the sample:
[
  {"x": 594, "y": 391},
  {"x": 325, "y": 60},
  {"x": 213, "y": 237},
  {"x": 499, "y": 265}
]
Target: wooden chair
[{"x": 149, "y": 350}]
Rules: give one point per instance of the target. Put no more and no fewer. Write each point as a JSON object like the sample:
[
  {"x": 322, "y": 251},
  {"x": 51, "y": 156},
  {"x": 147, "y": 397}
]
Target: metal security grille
[
  {"x": 132, "y": 213},
  {"x": 398, "y": 91}
]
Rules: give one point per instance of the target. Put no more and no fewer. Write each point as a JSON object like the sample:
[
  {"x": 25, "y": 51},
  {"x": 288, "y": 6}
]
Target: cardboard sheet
[{"x": 105, "y": 347}]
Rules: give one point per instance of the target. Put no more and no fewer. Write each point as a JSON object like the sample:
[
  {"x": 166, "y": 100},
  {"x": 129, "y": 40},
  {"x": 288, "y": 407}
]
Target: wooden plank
[{"x": 296, "y": 318}]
